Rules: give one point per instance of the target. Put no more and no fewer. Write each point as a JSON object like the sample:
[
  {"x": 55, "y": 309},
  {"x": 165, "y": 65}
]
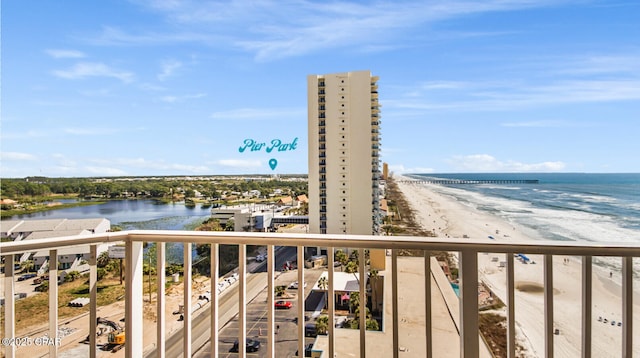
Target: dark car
[
  {"x": 307, "y": 350},
  {"x": 252, "y": 345},
  {"x": 27, "y": 276},
  {"x": 310, "y": 330}
]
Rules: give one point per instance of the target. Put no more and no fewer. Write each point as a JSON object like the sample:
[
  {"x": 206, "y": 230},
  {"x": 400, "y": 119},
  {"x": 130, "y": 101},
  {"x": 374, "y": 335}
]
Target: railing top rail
[
  {"x": 322, "y": 240},
  {"x": 51, "y": 243}
]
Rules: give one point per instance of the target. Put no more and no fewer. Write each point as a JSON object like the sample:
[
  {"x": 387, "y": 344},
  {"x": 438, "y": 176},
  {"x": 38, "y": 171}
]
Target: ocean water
[{"x": 600, "y": 208}]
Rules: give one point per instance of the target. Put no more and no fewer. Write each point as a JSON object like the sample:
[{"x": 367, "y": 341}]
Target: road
[
  {"x": 228, "y": 303},
  {"x": 286, "y": 339}
]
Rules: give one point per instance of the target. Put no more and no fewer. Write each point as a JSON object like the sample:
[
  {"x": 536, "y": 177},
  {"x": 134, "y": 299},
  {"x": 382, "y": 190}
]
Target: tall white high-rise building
[{"x": 344, "y": 149}]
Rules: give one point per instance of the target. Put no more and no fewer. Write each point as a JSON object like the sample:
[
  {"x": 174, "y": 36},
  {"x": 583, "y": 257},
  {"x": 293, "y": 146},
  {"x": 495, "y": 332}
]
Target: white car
[{"x": 295, "y": 284}]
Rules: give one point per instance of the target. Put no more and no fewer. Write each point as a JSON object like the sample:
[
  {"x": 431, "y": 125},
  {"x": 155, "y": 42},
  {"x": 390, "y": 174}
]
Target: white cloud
[
  {"x": 17, "y": 156},
  {"x": 93, "y": 69},
  {"x": 260, "y": 113},
  {"x": 89, "y": 131},
  {"x": 168, "y": 68},
  {"x": 487, "y": 163},
  {"x": 602, "y": 64},
  {"x": 112, "y": 36},
  {"x": 106, "y": 171},
  {"x": 486, "y": 96},
  {"x": 173, "y": 99},
  {"x": 63, "y": 161},
  {"x": 30, "y": 134},
  {"x": 65, "y": 53},
  {"x": 401, "y": 169},
  {"x": 239, "y": 163},
  {"x": 541, "y": 124},
  {"x": 272, "y": 29},
  {"x": 135, "y": 164}
]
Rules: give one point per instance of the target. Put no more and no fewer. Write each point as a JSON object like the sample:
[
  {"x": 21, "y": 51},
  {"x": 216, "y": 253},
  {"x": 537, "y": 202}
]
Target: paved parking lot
[{"x": 287, "y": 335}]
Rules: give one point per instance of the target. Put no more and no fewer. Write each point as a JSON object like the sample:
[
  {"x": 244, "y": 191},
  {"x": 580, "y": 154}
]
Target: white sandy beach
[{"x": 449, "y": 218}]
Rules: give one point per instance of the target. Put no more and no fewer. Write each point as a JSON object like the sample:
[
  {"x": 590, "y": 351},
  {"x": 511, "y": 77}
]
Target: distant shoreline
[{"x": 8, "y": 214}]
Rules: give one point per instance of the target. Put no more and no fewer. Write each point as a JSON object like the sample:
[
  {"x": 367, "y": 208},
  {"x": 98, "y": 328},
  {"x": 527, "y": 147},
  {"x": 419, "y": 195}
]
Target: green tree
[
  {"x": 230, "y": 225},
  {"x": 322, "y": 324},
  {"x": 101, "y": 273},
  {"x": 342, "y": 258},
  {"x": 373, "y": 280},
  {"x": 354, "y": 301},
  {"x": 103, "y": 260},
  {"x": 71, "y": 276},
  {"x": 27, "y": 265},
  {"x": 323, "y": 284},
  {"x": 352, "y": 267}
]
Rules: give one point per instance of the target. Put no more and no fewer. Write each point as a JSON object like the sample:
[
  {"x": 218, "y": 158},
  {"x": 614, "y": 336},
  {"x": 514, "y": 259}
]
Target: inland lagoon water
[{"x": 143, "y": 214}]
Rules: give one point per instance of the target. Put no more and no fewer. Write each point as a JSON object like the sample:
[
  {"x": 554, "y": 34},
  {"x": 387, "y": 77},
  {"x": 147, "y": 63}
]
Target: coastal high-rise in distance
[{"x": 344, "y": 147}]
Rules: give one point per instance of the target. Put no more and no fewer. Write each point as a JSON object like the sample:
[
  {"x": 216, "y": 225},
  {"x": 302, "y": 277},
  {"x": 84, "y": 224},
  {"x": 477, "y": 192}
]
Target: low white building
[{"x": 18, "y": 230}]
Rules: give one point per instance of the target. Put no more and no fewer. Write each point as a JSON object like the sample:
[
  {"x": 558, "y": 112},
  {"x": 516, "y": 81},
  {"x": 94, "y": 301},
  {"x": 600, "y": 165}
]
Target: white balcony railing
[{"x": 470, "y": 345}]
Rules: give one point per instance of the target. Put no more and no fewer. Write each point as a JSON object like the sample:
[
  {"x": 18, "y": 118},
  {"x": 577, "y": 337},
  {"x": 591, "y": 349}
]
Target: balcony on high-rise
[{"x": 421, "y": 315}]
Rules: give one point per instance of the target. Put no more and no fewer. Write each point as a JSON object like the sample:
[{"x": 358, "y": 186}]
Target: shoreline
[{"x": 447, "y": 217}]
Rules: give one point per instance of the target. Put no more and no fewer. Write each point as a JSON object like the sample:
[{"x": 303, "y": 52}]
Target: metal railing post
[
  {"x": 394, "y": 301},
  {"x": 215, "y": 299},
  {"x": 587, "y": 283},
  {"x": 133, "y": 303},
  {"x": 548, "y": 305},
  {"x": 93, "y": 300},
  {"x": 53, "y": 300},
  {"x": 427, "y": 304},
  {"x": 511, "y": 308},
  {"x": 363, "y": 303},
  {"x": 271, "y": 259},
  {"x": 161, "y": 344},
  {"x": 187, "y": 301},
  {"x": 469, "y": 339},
  {"x": 301, "y": 321},
  {"x": 627, "y": 306},
  {"x": 242, "y": 301},
  {"x": 331, "y": 297},
  {"x": 9, "y": 305}
]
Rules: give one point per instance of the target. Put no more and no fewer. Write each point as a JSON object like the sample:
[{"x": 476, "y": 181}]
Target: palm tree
[
  {"x": 354, "y": 300},
  {"x": 103, "y": 259},
  {"x": 352, "y": 267},
  {"x": 322, "y": 324},
  {"x": 373, "y": 277},
  {"x": 323, "y": 284},
  {"x": 342, "y": 258},
  {"x": 27, "y": 265},
  {"x": 279, "y": 290}
]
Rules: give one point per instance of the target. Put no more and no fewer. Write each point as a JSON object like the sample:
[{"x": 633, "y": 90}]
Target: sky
[{"x": 168, "y": 87}]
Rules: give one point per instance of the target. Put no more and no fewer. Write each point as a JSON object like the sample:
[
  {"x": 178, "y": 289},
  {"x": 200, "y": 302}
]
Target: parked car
[
  {"x": 295, "y": 285},
  {"x": 295, "y": 319},
  {"x": 252, "y": 345},
  {"x": 283, "y": 304},
  {"x": 289, "y": 265},
  {"x": 310, "y": 330},
  {"x": 40, "y": 279},
  {"x": 307, "y": 350},
  {"x": 26, "y": 276}
]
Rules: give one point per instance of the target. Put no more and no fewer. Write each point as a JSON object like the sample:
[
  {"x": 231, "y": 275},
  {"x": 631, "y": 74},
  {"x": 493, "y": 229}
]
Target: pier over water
[{"x": 469, "y": 181}]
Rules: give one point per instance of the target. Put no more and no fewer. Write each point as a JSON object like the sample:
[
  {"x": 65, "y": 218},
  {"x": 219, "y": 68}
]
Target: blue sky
[{"x": 115, "y": 88}]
